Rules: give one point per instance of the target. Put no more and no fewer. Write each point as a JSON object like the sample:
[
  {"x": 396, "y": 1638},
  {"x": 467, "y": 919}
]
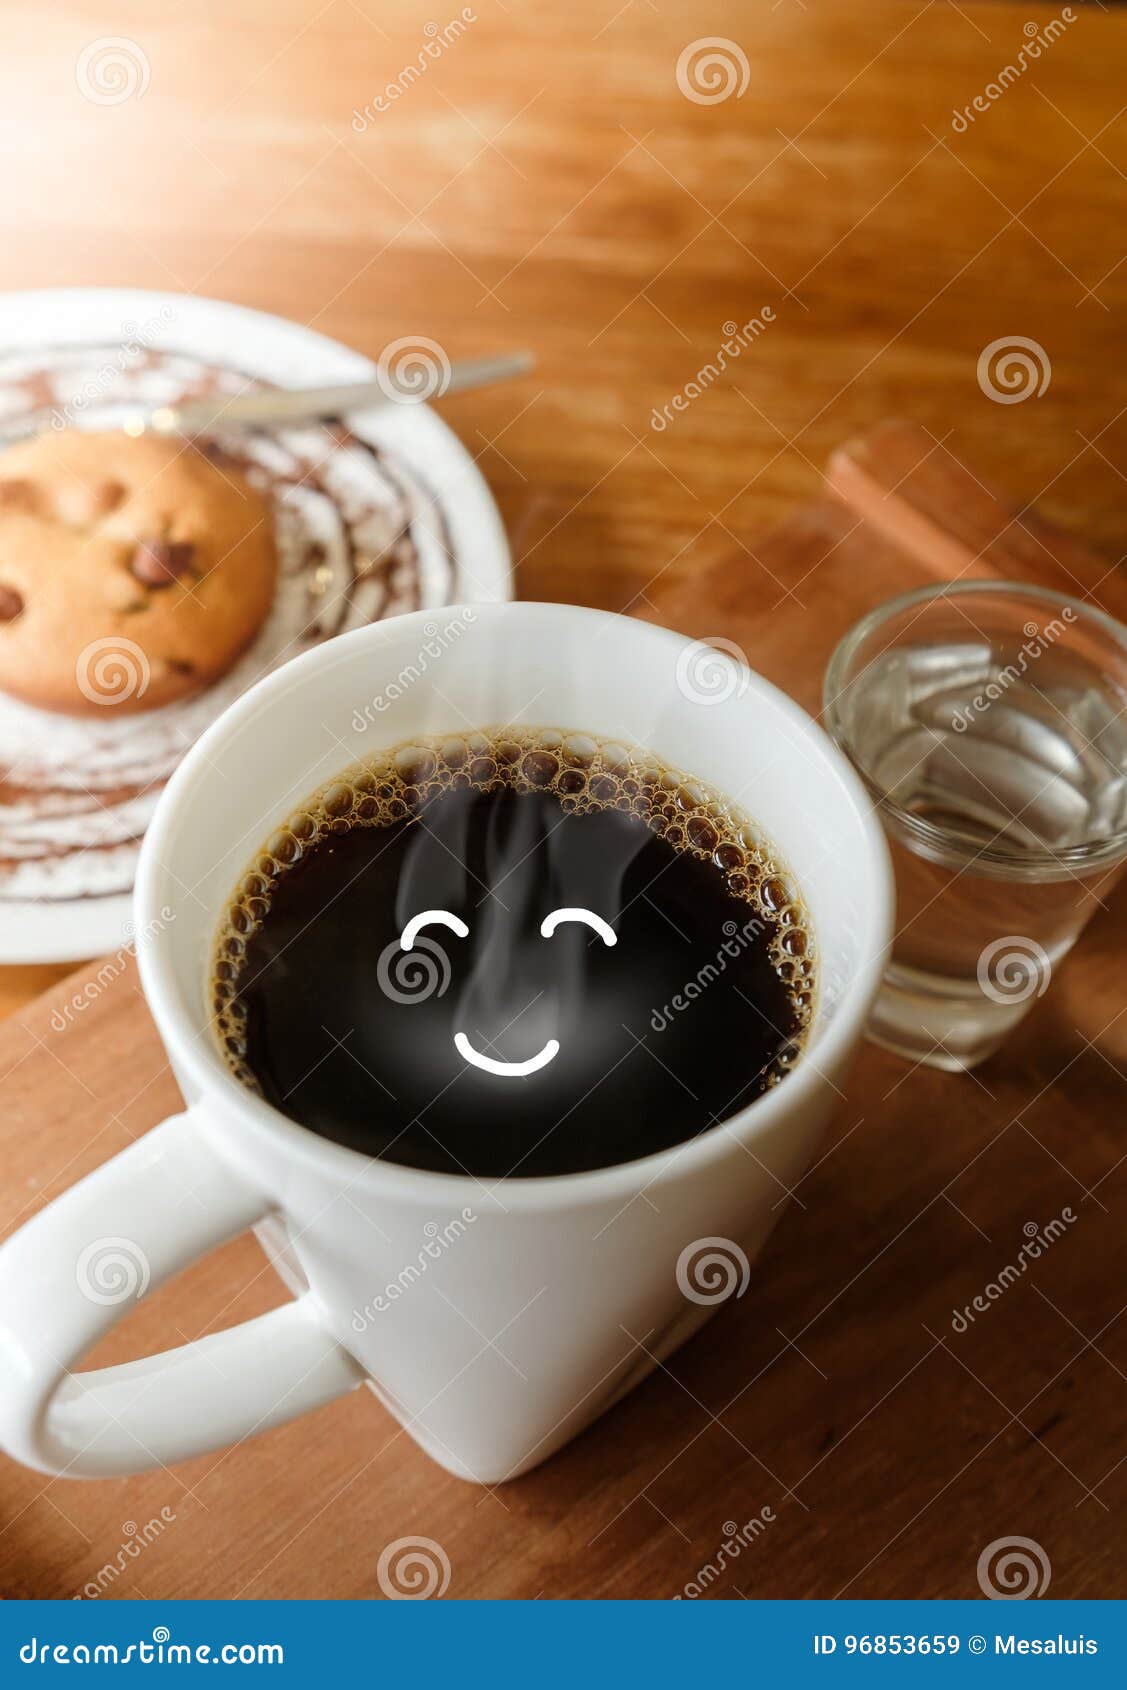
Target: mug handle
[{"x": 83, "y": 1262}]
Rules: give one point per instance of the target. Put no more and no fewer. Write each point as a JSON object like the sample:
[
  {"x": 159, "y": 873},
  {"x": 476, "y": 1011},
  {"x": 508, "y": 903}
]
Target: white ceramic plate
[{"x": 459, "y": 549}]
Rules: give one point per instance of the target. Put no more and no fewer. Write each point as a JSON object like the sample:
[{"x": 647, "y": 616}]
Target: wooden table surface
[{"x": 546, "y": 182}]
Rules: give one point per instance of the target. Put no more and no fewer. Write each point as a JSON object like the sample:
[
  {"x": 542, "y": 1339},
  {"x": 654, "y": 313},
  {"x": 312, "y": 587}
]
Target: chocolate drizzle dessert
[{"x": 359, "y": 536}]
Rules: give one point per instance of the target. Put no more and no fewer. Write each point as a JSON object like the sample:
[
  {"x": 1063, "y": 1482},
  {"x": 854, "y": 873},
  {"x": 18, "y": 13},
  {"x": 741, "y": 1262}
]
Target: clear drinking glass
[{"x": 987, "y": 721}]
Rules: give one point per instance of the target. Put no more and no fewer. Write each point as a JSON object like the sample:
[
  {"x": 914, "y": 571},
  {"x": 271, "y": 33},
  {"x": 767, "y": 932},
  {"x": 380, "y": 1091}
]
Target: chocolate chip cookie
[{"x": 132, "y": 571}]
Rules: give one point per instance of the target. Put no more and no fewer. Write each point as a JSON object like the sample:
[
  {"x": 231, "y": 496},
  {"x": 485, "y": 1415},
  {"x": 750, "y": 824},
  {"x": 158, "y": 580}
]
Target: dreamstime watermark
[
  {"x": 710, "y": 1270},
  {"x": 438, "y": 1241},
  {"x": 112, "y": 670},
  {"x": 66, "y": 1014},
  {"x": 161, "y": 1651},
  {"x": 1012, "y": 1569},
  {"x": 111, "y": 1271},
  {"x": 413, "y": 1569},
  {"x": 111, "y": 70},
  {"x": 135, "y": 1540},
  {"x": 136, "y": 339},
  {"x": 737, "y": 338},
  {"x": 1038, "y": 1239},
  {"x": 736, "y": 940},
  {"x": 1013, "y": 969},
  {"x": 1014, "y": 368},
  {"x": 413, "y": 369},
  {"x": 438, "y": 639},
  {"x": 737, "y": 1538},
  {"x": 711, "y": 671},
  {"x": 712, "y": 69},
  {"x": 1037, "y": 641},
  {"x": 1038, "y": 38},
  {"x": 438, "y": 39}
]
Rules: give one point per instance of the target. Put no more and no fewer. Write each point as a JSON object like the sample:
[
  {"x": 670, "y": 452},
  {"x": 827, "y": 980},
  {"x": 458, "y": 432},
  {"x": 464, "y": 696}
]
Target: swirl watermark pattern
[
  {"x": 413, "y": 369},
  {"x": 1014, "y": 368},
  {"x": 413, "y": 976},
  {"x": 712, "y": 69},
  {"x": 711, "y": 671},
  {"x": 112, "y": 671},
  {"x": 111, "y": 70},
  {"x": 413, "y": 1569},
  {"x": 111, "y": 1271},
  {"x": 1013, "y": 969},
  {"x": 1012, "y": 1569},
  {"x": 710, "y": 1270}
]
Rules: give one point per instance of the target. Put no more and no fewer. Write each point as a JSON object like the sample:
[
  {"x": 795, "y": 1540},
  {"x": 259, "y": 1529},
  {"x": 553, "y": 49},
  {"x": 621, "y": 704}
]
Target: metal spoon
[{"x": 294, "y": 405}]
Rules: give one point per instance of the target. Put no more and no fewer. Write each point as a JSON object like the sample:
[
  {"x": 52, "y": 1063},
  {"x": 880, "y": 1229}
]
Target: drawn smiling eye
[
  {"x": 588, "y": 917},
  {"x": 431, "y": 918}
]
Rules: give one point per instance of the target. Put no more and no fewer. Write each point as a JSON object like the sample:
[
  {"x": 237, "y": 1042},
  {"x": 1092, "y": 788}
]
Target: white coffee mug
[{"x": 494, "y": 1319}]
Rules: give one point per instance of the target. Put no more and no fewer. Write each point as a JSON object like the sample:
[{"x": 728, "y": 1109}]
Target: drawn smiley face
[{"x": 462, "y": 1044}]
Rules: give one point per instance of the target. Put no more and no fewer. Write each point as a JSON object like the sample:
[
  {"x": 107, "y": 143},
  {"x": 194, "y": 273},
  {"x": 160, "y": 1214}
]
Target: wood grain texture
[{"x": 545, "y": 183}]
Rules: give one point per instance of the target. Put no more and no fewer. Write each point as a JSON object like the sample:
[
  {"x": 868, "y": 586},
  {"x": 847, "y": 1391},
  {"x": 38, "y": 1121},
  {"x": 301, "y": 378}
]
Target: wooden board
[
  {"x": 900, "y": 510},
  {"x": 888, "y": 1448}
]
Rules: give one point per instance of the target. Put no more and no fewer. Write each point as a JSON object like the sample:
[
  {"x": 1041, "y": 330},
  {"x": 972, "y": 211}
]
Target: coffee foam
[{"x": 586, "y": 775}]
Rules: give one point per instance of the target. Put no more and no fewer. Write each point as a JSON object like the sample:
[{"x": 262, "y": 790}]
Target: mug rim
[{"x": 195, "y": 1054}]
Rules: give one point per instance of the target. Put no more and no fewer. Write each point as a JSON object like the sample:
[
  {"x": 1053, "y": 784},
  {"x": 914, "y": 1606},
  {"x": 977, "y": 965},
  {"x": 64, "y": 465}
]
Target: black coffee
[{"x": 506, "y": 954}]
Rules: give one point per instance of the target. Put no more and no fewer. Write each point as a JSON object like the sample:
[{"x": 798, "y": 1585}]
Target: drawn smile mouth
[{"x": 507, "y": 1070}]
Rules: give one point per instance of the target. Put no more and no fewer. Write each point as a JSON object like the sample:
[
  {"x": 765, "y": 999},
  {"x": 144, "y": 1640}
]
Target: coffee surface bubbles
[{"x": 605, "y": 959}]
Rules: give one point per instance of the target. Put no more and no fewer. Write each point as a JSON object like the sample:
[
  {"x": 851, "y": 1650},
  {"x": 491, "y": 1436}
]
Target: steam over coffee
[{"x": 513, "y": 954}]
